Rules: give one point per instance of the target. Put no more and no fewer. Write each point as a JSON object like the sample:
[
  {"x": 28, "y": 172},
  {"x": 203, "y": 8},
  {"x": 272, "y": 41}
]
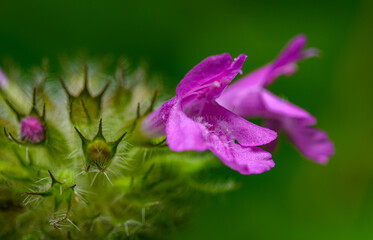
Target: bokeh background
[{"x": 298, "y": 199}]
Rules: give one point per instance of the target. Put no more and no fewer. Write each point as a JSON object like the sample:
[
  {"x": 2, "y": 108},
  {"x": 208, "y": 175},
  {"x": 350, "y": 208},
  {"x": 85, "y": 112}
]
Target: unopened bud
[
  {"x": 3, "y": 80},
  {"x": 32, "y": 130}
]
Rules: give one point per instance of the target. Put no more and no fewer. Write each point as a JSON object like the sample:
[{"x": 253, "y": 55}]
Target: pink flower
[
  {"x": 249, "y": 98},
  {"x": 193, "y": 120},
  {"x": 32, "y": 130}
]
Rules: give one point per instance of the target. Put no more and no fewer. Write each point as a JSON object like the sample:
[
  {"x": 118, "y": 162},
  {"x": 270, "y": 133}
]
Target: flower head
[
  {"x": 32, "y": 130},
  {"x": 193, "y": 120},
  {"x": 249, "y": 98}
]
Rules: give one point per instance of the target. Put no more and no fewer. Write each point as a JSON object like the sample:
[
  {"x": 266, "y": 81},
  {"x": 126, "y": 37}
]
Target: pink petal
[
  {"x": 3, "y": 80},
  {"x": 184, "y": 134},
  {"x": 210, "y": 76},
  {"x": 311, "y": 142},
  {"x": 238, "y": 128},
  {"x": 275, "y": 125},
  {"x": 285, "y": 64},
  {"x": 243, "y": 101},
  {"x": 246, "y": 160},
  {"x": 155, "y": 123},
  {"x": 203, "y": 72},
  {"x": 260, "y": 102},
  {"x": 277, "y": 108},
  {"x": 292, "y": 52}
]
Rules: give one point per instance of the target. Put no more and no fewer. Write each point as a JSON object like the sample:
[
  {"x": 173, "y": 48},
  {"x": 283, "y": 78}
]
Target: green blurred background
[{"x": 298, "y": 199}]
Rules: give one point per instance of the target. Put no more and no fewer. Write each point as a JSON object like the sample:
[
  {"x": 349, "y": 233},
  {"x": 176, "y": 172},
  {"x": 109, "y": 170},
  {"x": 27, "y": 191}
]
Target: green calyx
[
  {"x": 98, "y": 151},
  {"x": 60, "y": 191},
  {"x": 84, "y": 108}
]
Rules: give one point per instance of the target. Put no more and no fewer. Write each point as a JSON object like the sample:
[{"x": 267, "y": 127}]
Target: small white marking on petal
[{"x": 216, "y": 84}]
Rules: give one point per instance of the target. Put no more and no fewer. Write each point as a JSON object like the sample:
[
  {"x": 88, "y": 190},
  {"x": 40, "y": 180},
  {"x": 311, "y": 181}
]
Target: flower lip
[
  {"x": 32, "y": 130},
  {"x": 294, "y": 51},
  {"x": 210, "y": 77}
]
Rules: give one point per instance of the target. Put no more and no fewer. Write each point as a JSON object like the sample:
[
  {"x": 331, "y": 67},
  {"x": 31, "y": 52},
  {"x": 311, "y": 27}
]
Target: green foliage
[{"x": 94, "y": 182}]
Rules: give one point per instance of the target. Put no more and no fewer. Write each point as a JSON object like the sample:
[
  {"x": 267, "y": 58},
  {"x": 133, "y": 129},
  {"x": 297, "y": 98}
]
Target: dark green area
[{"x": 298, "y": 199}]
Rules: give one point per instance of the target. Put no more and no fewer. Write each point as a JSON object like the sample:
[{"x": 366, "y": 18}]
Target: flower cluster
[{"x": 207, "y": 114}]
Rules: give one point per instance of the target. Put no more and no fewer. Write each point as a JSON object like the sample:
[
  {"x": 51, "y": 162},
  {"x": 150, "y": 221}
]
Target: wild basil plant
[{"x": 84, "y": 155}]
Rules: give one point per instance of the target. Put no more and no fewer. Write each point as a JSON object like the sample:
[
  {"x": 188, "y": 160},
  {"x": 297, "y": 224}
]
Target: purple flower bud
[
  {"x": 32, "y": 130},
  {"x": 3, "y": 80}
]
